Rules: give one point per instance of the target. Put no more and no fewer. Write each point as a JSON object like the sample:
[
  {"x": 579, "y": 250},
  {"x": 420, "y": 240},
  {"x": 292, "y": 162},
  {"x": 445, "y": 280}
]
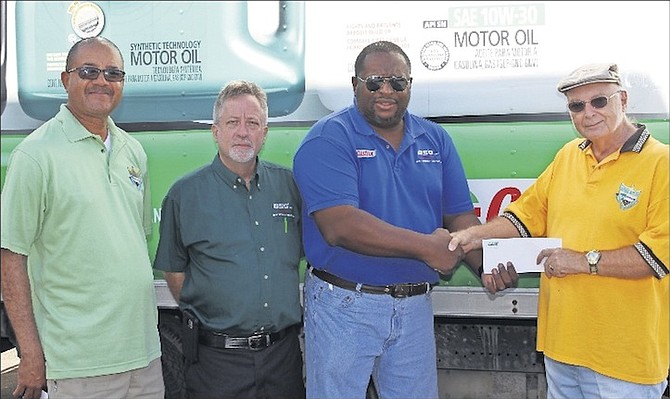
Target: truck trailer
[{"x": 484, "y": 70}]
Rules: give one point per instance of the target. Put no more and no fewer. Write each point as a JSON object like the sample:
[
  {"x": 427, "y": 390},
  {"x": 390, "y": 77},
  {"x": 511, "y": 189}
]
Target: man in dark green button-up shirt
[{"x": 230, "y": 247}]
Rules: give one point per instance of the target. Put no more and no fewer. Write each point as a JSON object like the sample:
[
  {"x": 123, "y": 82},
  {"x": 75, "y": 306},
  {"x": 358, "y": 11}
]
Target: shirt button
[
  {"x": 262, "y": 249},
  {"x": 265, "y": 305},
  {"x": 256, "y": 223},
  {"x": 266, "y": 277}
]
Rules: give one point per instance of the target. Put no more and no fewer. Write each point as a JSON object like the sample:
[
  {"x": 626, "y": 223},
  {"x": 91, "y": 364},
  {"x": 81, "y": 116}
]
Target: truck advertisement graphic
[{"x": 485, "y": 70}]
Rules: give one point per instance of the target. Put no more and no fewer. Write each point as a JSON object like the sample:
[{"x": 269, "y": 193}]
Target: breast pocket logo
[
  {"x": 427, "y": 156},
  {"x": 627, "y": 197},
  {"x": 135, "y": 176},
  {"x": 282, "y": 209}
]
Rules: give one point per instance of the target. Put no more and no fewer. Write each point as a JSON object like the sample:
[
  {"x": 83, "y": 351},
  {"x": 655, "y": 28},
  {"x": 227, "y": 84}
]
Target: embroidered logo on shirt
[
  {"x": 282, "y": 210},
  {"x": 363, "y": 153},
  {"x": 627, "y": 196},
  {"x": 428, "y": 156},
  {"x": 135, "y": 176}
]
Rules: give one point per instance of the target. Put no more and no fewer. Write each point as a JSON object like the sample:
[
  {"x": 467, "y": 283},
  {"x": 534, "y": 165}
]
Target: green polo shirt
[
  {"x": 239, "y": 249},
  {"x": 81, "y": 215}
]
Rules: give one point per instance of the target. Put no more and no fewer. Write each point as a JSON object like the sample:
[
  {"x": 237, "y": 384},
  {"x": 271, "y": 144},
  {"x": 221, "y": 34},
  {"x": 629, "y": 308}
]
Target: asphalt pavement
[{"x": 10, "y": 363}]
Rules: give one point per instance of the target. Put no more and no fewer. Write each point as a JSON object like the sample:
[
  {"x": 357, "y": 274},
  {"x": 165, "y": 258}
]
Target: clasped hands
[{"x": 452, "y": 248}]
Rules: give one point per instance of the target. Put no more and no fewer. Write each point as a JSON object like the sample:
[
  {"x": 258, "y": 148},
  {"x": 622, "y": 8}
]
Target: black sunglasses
[
  {"x": 598, "y": 102},
  {"x": 92, "y": 73},
  {"x": 374, "y": 83}
]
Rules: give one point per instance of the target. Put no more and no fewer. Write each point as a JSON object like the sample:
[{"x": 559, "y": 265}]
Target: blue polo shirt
[{"x": 343, "y": 161}]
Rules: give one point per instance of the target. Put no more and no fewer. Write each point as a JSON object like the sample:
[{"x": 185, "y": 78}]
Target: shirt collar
[
  {"x": 634, "y": 142},
  {"x": 232, "y": 179},
  {"x": 75, "y": 131}
]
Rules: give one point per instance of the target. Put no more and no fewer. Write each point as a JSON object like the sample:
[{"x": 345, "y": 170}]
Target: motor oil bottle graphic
[{"x": 177, "y": 55}]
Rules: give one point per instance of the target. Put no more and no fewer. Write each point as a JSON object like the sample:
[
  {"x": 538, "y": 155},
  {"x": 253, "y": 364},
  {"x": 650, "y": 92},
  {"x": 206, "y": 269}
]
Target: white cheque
[{"x": 522, "y": 252}]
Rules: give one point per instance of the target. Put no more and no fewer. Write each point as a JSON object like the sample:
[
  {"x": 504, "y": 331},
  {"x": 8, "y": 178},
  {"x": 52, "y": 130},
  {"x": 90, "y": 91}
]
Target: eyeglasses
[
  {"x": 92, "y": 73},
  {"x": 598, "y": 102},
  {"x": 374, "y": 83}
]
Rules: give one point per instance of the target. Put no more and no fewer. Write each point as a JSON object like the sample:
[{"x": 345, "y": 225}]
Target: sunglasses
[
  {"x": 374, "y": 83},
  {"x": 598, "y": 102},
  {"x": 92, "y": 73}
]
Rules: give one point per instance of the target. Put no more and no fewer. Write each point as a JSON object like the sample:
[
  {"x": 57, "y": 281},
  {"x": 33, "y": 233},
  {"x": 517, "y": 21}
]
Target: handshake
[{"x": 447, "y": 250}]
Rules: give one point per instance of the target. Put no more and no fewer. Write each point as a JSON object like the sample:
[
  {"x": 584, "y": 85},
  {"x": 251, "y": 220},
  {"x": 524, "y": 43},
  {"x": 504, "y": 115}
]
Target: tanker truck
[{"x": 485, "y": 70}]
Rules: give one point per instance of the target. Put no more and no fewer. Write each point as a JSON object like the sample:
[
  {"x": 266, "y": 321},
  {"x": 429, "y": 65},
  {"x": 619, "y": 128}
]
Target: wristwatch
[{"x": 593, "y": 257}]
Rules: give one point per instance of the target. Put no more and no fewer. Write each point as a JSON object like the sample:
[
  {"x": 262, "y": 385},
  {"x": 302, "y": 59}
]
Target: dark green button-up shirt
[{"x": 239, "y": 249}]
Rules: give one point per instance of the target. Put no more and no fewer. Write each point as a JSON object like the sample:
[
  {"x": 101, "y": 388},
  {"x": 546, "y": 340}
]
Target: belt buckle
[
  {"x": 258, "y": 341},
  {"x": 400, "y": 290}
]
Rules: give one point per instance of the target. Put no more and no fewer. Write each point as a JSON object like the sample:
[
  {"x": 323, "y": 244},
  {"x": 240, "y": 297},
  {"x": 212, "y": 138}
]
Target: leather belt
[
  {"x": 396, "y": 290},
  {"x": 255, "y": 342}
]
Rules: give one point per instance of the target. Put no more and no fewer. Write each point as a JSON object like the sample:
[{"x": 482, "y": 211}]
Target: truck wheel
[{"x": 169, "y": 327}]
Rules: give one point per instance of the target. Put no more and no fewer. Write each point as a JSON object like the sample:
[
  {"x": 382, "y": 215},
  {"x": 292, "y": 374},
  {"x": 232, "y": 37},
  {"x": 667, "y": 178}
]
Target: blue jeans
[
  {"x": 350, "y": 336},
  {"x": 568, "y": 381}
]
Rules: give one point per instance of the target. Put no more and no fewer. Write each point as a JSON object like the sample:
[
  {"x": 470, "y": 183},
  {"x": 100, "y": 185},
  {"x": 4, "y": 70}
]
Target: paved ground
[{"x": 9, "y": 363}]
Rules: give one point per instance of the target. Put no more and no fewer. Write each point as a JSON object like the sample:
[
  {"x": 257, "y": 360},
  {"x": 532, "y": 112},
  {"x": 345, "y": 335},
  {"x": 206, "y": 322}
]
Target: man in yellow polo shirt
[{"x": 603, "y": 313}]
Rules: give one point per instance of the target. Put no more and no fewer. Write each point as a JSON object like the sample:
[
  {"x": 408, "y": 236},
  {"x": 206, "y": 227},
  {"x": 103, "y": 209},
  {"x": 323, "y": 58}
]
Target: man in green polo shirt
[
  {"x": 77, "y": 281},
  {"x": 230, "y": 247}
]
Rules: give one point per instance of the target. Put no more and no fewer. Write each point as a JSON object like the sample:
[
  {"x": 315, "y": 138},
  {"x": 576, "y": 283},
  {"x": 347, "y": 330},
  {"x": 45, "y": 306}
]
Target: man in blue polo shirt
[{"x": 381, "y": 190}]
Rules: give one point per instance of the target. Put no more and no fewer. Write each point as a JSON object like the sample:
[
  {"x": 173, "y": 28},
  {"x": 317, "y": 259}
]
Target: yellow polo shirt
[{"x": 617, "y": 327}]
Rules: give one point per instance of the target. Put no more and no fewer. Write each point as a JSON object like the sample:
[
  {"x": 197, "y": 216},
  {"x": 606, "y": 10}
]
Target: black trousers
[{"x": 274, "y": 372}]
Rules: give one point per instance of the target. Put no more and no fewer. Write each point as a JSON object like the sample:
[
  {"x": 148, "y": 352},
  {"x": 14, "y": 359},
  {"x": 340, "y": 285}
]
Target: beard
[
  {"x": 242, "y": 154},
  {"x": 388, "y": 122},
  {"x": 384, "y": 123}
]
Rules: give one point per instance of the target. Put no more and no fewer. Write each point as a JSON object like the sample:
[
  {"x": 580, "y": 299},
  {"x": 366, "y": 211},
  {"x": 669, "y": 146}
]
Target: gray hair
[{"x": 240, "y": 87}]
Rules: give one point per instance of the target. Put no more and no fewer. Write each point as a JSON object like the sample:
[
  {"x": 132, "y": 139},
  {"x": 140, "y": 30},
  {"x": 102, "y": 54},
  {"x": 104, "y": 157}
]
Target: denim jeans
[
  {"x": 568, "y": 381},
  {"x": 350, "y": 336}
]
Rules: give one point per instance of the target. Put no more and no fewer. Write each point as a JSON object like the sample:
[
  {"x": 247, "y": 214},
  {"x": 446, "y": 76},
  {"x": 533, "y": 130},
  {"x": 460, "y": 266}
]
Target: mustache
[
  {"x": 386, "y": 100},
  {"x": 100, "y": 90}
]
